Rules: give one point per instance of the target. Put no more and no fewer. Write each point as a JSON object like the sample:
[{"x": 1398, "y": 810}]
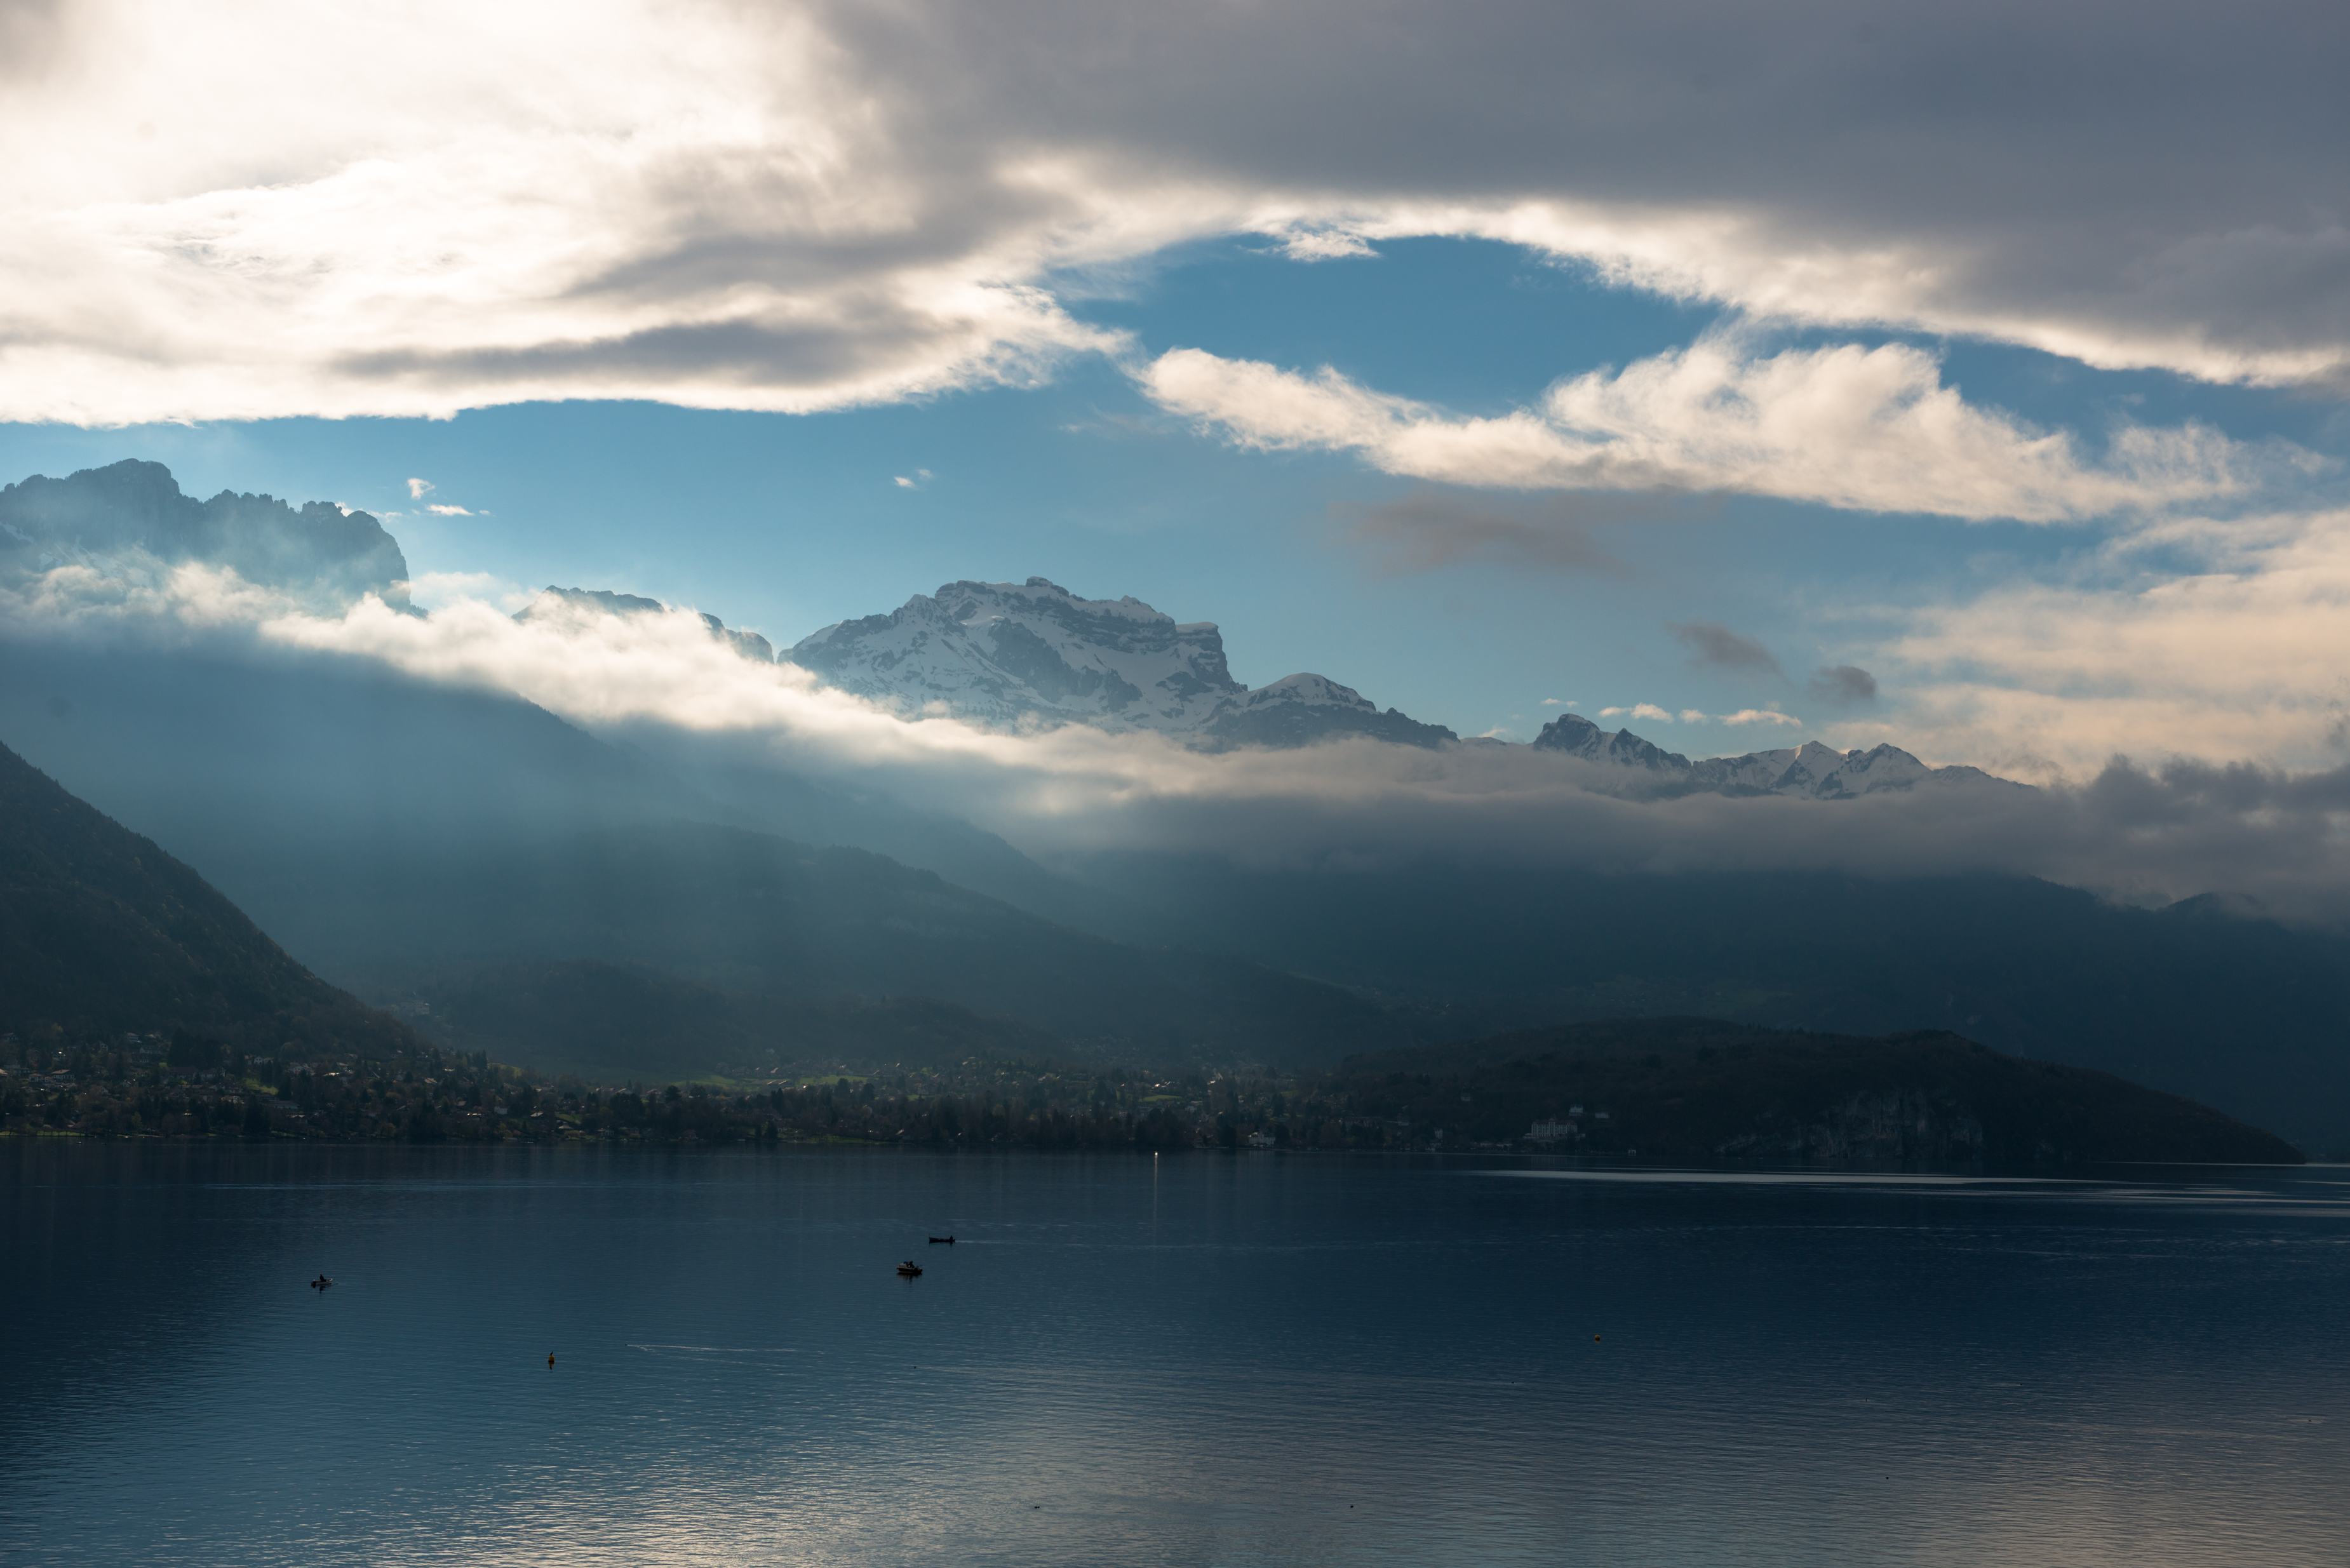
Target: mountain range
[
  {"x": 1810, "y": 771},
  {"x": 409, "y": 840},
  {"x": 101, "y": 932},
  {"x": 999, "y": 654},
  {"x": 1007, "y": 655}
]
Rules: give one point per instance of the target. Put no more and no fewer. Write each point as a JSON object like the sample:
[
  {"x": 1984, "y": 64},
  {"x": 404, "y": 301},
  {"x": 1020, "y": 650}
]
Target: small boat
[
  {"x": 910, "y": 1270},
  {"x": 321, "y": 1283},
  {"x": 942, "y": 1240}
]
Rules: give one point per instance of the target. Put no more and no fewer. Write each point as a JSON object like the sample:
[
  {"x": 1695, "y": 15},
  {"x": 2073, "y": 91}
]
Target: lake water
[{"x": 1200, "y": 1360}]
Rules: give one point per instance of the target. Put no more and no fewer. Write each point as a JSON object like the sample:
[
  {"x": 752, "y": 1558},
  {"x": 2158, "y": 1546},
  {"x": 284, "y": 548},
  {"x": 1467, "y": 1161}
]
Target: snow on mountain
[
  {"x": 1578, "y": 736},
  {"x": 1813, "y": 770},
  {"x": 1012, "y": 654},
  {"x": 1008, "y": 653}
]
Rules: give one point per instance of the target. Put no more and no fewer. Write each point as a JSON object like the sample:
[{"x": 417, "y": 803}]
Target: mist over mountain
[
  {"x": 398, "y": 836},
  {"x": 1005, "y": 654},
  {"x": 553, "y": 600},
  {"x": 131, "y": 519},
  {"x": 102, "y": 932},
  {"x": 274, "y": 772},
  {"x": 374, "y": 790},
  {"x": 752, "y": 912}
]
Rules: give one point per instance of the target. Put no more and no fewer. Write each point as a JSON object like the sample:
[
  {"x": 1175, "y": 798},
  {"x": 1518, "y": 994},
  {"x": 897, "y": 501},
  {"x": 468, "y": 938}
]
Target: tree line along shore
[{"x": 1672, "y": 1088}]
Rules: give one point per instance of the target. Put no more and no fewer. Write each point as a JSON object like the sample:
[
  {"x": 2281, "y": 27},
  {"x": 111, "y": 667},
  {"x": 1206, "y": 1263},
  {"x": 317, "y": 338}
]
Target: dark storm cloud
[
  {"x": 31, "y": 33},
  {"x": 2164, "y": 179},
  {"x": 1712, "y": 644},
  {"x": 1432, "y": 528},
  {"x": 2114, "y": 183},
  {"x": 1845, "y": 685}
]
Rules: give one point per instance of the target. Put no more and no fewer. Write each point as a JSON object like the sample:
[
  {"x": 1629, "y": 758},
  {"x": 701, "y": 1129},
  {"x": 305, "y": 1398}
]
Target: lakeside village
[{"x": 185, "y": 1087}]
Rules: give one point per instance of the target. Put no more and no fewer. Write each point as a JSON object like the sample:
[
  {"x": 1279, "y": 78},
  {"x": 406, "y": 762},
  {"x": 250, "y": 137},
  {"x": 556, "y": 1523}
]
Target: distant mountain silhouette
[
  {"x": 2237, "y": 1010},
  {"x": 129, "y": 516},
  {"x": 101, "y": 931}
]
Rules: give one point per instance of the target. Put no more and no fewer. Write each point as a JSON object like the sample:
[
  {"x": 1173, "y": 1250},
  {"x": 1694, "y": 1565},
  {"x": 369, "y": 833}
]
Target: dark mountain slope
[
  {"x": 2243, "y": 1014},
  {"x": 610, "y": 1021},
  {"x": 1695, "y": 1088},
  {"x": 386, "y": 830},
  {"x": 101, "y": 932},
  {"x": 828, "y": 817},
  {"x": 238, "y": 760},
  {"x": 278, "y": 766},
  {"x": 756, "y": 913}
]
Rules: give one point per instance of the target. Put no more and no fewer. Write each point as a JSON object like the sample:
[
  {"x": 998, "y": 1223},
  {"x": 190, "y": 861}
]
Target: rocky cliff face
[
  {"x": 129, "y": 518},
  {"x": 1811, "y": 770},
  {"x": 1005, "y": 654}
]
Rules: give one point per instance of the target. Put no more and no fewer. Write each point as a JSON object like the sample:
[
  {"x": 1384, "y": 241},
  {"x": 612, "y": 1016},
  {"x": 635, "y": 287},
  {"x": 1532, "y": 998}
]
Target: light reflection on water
[{"x": 1259, "y": 1360}]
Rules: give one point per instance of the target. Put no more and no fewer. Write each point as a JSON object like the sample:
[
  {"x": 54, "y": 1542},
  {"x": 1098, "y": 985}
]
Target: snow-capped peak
[
  {"x": 1009, "y": 653},
  {"x": 1812, "y": 769}
]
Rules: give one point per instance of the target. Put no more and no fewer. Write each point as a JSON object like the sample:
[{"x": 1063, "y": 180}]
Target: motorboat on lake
[
  {"x": 910, "y": 1270},
  {"x": 321, "y": 1283},
  {"x": 942, "y": 1240}
]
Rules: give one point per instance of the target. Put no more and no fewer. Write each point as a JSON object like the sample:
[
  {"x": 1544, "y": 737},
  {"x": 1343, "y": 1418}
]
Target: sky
[{"x": 1970, "y": 378}]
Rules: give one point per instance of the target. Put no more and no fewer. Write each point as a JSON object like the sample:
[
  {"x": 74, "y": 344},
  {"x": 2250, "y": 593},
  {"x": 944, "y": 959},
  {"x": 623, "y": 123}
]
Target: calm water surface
[{"x": 1207, "y": 1360}]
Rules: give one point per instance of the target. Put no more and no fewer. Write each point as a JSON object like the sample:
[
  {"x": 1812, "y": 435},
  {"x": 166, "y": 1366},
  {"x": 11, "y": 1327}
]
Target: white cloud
[
  {"x": 1762, "y": 716},
  {"x": 812, "y": 206},
  {"x": 418, "y": 489},
  {"x": 1873, "y": 429},
  {"x": 1324, "y": 245},
  {"x": 439, "y": 510},
  {"x": 693, "y": 203},
  {"x": 664, "y": 681},
  {"x": 2241, "y": 654},
  {"x": 1558, "y": 702},
  {"x": 432, "y": 591},
  {"x": 2193, "y": 304}
]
